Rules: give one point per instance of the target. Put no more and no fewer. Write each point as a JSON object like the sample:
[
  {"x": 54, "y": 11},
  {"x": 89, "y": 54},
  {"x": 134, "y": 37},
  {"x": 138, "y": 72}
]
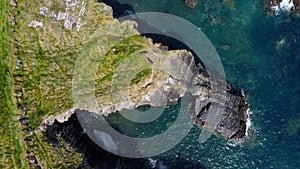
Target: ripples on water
[{"x": 262, "y": 56}]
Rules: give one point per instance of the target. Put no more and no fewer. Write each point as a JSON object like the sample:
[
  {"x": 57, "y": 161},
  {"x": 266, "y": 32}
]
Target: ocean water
[{"x": 261, "y": 55}]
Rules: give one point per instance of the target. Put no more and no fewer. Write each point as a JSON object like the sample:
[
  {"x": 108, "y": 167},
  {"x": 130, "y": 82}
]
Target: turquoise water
[{"x": 263, "y": 59}]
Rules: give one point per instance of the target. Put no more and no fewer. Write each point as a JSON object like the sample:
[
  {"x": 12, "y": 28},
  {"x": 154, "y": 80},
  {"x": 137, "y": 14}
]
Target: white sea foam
[
  {"x": 248, "y": 127},
  {"x": 248, "y": 122},
  {"x": 287, "y": 5},
  {"x": 284, "y": 6}
]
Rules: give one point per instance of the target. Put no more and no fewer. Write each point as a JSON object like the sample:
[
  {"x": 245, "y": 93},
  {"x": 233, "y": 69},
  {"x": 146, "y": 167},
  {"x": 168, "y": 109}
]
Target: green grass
[
  {"x": 48, "y": 56},
  {"x": 47, "y": 71},
  {"x": 11, "y": 151},
  {"x": 57, "y": 5},
  {"x": 45, "y": 80},
  {"x": 141, "y": 76},
  {"x": 113, "y": 58},
  {"x": 119, "y": 52}
]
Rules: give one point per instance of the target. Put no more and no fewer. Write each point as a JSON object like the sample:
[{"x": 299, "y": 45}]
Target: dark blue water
[{"x": 263, "y": 59}]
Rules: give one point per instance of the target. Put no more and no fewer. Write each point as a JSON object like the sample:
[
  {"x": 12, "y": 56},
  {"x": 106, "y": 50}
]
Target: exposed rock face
[
  {"x": 233, "y": 115},
  {"x": 230, "y": 107},
  {"x": 224, "y": 112},
  {"x": 191, "y": 3},
  {"x": 297, "y": 6}
]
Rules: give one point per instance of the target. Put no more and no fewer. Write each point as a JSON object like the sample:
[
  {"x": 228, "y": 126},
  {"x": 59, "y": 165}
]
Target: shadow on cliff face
[{"x": 94, "y": 157}]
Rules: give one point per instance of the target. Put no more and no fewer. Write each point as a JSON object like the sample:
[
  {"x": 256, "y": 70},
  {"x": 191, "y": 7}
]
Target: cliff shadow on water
[{"x": 97, "y": 158}]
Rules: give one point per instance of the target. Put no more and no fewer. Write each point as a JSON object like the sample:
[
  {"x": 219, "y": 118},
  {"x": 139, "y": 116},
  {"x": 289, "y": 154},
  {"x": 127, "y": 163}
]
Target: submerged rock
[
  {"x": 230, "y": 4},
  {"x": 191, "y": 3}
]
